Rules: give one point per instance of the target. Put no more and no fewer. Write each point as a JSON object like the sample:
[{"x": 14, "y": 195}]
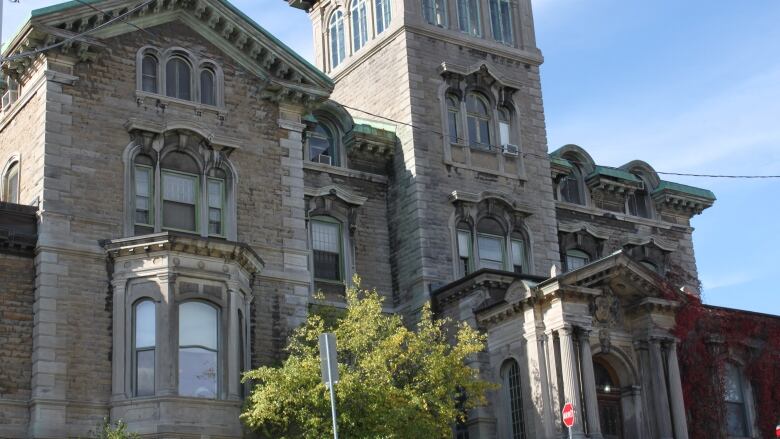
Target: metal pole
[
  {"x": 332, "y": 391},
  {"x": 569, "y": 432}
]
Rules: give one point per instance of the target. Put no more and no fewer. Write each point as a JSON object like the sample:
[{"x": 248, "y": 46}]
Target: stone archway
[{"x": 608, "y": 394}]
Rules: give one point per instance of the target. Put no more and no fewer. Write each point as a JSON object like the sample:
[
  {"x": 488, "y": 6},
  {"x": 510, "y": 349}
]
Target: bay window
[
  {"x": 198, "y": 350},
  {"x": 490, "y": 244}
]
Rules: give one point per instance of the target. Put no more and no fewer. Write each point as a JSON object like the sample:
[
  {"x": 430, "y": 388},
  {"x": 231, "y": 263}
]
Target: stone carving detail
[{"x": 605, "y": 309}]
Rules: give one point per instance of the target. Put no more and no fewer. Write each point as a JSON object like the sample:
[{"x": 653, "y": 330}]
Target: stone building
[{"x": 180, "y": 183}]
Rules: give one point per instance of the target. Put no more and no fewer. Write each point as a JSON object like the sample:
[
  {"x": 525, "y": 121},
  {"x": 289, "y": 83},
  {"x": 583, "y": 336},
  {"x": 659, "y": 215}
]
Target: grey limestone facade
[{"x": 193, "y": 183}]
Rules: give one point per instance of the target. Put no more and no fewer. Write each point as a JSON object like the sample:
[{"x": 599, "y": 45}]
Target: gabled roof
[{"x": 77, "y": 27}]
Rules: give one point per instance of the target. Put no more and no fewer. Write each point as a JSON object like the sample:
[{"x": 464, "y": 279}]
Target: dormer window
[
  {"x": 571, "y": 187},
  {"x": 575, "y": 259}
]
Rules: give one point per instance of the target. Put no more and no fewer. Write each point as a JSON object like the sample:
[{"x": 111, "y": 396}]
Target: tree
[{"x": 394, "y": 382}]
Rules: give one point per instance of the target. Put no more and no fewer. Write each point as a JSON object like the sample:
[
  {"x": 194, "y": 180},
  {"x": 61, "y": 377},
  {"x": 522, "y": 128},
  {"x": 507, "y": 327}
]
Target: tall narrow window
[
  {"x": 504, "y": 126},
  {"x": 518, "y": 255},
  {"x": 179, "y": 192},
  {"x": 149, "y": 74},
  {"x": 208, "y": 93},
  {"x": 638, "y": 202},
  {"x": 513, "y": 398},
  {"x": 571, "y": 188},
  {"x": 143, "y": 195},
  {"x": 337, "y": 47},
  {"x": 144, "y": 343},
  {"x": 576, "y": 259},
  {"x": 359, "y": 24},
  {"x": 11, "y": 184},
  {"x": 734, "y": 395},
  {"x": 478, "y": 117},
  {"x": 490, "y": 243},
  {"x": 198, "y": 350},
  {"x": 11, "y": 94},
  {"x": 435, "y": 12},
  {"x": 501, "y": 21},
  {"x": 382, "y": 15},
  {"x": 453, "y": 117},
  {"x": 469, "y": 17},
  {"x": 322, "y": 145},
  {"x": 178, "y": 79},
  {"x": 464, "y": 250},
  {"x": 326, "y": 245},
  {"x": 216, "y": 206}
]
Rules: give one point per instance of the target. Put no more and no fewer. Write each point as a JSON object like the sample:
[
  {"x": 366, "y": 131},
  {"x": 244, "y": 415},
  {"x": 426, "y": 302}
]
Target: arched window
[
  {"x": 501, "y": 21},
  {"x": 322, "y": 145},
  {"x": 575, "y": 259},
  {"x": 478, "y": 118},
  {"x": 465, "y": 253},
  {"x": 453, "y": 117},
  {"x": 11, "y": 184},
  {"x": 571, "y": 187},
  {"x": 149, "y": 81},
  {"x": 504, "y": 126},
  {"x": 435, "y": 12},
  {"x": 144, "y": 344},
  {"x": 328, "y": 249},
  {"x": 513, "y": 399},
  {"x": 359, "y": 24},
  {"x": 180, "y": 192},
  {"x": 734, "y": 397},
  {"x": 638, "y": 203},
  {"x": 382, "y": 15},
  {"x": 208, "y": 91},
  {"x": 198, "y": 349},
  {"x": 469, "y": 17},
  {"x": 490, "y": 244},
  {"x": 178, "y": 81},
  {"x": 337, "y": 47}
]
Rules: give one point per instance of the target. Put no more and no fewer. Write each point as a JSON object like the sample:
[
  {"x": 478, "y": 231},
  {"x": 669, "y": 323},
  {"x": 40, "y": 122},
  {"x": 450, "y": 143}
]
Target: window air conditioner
[
  {"x": 322, "y": 158},
  {"x": 511, "y": 150}
]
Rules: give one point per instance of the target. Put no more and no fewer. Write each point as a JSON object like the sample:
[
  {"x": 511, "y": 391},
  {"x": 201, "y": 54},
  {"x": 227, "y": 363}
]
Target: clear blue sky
[{"x": 688, "y": 86}]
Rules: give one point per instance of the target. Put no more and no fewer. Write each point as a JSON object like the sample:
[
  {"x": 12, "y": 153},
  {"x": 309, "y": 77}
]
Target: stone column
[
  {"x": 119, "y": 384},
  {"x": 589, "y": 386},
  {"x": 548, "y": 415},
  {"x": 167, "y": 363},
  {"x": 660, "y": 393},
  {"x": 676, "y": 394},
  {"x": 571, "y": 382}
]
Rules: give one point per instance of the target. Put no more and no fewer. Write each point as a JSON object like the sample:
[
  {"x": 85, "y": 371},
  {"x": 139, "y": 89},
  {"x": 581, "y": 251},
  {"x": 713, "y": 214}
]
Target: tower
[{"x": 460, "y": 81}]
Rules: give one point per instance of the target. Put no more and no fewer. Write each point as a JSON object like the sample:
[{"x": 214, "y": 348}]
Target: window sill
[{"x": 166, "y": 101}]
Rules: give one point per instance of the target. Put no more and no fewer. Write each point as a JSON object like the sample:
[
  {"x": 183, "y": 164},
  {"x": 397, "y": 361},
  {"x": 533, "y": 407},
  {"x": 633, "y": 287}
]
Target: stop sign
[
  {"x": 777, "y": 430},
  {"x": 568, "y": 415}
]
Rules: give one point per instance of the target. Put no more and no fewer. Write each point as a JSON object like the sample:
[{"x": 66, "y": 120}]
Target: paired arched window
[
  {"x": 178, "y": 74},
  {"x": 382, "y": 15},
  {"x": 453, "y": 118},
  {"x": 144, "y": 347},
  {"x": 469, "y": 17},
  {"x": 495, "y": 248},
  {"x": 478, "y": 121},
  {"x": 337, "y": 47},
  {"x": 501, "y": 21},
  {"x": 11, "y": 183},
  {"x": 435, "y": 12},
  {"x": 198, "y": 349},
  {"x": 359, "y": 24},
  {"x": 576, "y": 258},
  {"x": 513, "y": 399},
  {"x": 327, "y": 248}
]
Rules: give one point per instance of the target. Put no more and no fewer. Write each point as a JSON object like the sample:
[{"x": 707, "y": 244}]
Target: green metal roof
[
  {"x": 685, "y": 189},
  {"x": 72, "y": 4},
  {"x": 384, "y": 126},
  {"x": 615, "y": 173},
  {"x": 561, "y": 162}
]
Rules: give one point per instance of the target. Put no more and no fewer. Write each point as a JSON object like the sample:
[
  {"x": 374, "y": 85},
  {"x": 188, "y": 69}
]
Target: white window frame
[
  {"x": 337, "y": 35},
  {"x": 501, "y": 245},
  {"x": 198, "y": 202},
  {"x": 217, "y": 351},
  {"x": 383, "y": 18},
  {"x": 359, "y": 24},
  {"x": 341, "y": 257},
  {"x": 435, "y": 13},
  {"x": 196, "y": 64},
  {"x": 12, "y": 166},
  {"x": 135, "y": 349}
]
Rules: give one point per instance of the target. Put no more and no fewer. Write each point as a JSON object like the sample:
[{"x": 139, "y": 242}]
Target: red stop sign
[
  {"x": 568, "y": 415},
  {"x": 777, "y": 431}
]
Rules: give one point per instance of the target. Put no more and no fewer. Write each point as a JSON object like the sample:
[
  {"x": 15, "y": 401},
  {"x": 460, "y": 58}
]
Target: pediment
[{"x": 80, "y": 29}]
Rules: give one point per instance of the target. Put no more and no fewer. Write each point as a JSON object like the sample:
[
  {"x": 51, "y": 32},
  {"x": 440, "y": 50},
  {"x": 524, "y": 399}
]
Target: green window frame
[
  {"x": 149, "y": 195},
  {"x": 339, "y": 272},
  {"x": 196, "y": 183},
  {"x": 216, "y": 203}
]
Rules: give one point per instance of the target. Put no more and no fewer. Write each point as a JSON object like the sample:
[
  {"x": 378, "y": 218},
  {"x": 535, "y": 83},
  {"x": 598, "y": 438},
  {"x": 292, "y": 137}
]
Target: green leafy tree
[
  {"x": 115, "y": 430},
  {"x": 394, "y": 382}
]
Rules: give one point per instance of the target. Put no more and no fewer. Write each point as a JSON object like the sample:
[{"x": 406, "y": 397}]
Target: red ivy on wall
[{"x": 709, "y": 336}]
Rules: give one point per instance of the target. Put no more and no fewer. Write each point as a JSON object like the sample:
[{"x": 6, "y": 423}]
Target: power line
[
  {"x": 96, "y": 9},
  {"x": 496, "y": 147}
]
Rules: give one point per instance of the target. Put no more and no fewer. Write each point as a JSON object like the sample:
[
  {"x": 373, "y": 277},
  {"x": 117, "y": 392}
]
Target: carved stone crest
[{"x": 605, "y": 308}]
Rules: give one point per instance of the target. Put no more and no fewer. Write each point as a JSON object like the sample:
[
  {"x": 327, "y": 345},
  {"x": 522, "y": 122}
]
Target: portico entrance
[{"x": 608, "y": 395}]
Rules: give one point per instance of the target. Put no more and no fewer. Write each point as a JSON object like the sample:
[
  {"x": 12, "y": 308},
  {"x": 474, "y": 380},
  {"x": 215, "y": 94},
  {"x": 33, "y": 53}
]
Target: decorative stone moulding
[
  {"x": 287, "y": 76},
  {"x": 682, "y": 198}
]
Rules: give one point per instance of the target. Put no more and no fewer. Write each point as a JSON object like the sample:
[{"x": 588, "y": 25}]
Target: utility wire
[
  {"x": 73, "y": 37},
  {"x": 96, "y": 9},
  {"x": 497, "y": 147}
]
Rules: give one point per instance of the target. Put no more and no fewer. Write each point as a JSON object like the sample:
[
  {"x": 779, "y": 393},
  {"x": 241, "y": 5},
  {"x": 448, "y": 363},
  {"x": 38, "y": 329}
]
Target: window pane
[
  {"x": 198, "y": 325},
  {"x": 490, "y": 252},
  {"x": 503, "y": 130},
  {"x": 177, "y": 79},
  {"x": 464, "y": 237},
  {"x": 179, "y": 188},
  {"x": 518, "y": 254},
  {"x": 12, "y": 185},
  {"x": 428, "y": 11},
  {"x": 207, "y": 95},
  {"x": 149, "y": 74},
  {"x": 463, "y": 15},
  {"x": 197, "y": 373},
  {"x": 484, "y": 133},
  {"x": 495, "y": 20},
  {"x": 515, "y": 394},
  {"x": 506, "y": 22},
  {"x": 326, "y": 265},
  {"x": 144, "y": 373},
  {"x": 215, "y": 194},
  {"x": 472, "y": 126},
  {"x": 145, "y": 324},
  {"x": 453, "y": 125},
  {"x": 215, "y": 221},
  {"x": 178, "y": 216},
  {"x": 143, "y": 181},
  {"x": 325, "y": 236},
  {"x": 576, "y": 259}
]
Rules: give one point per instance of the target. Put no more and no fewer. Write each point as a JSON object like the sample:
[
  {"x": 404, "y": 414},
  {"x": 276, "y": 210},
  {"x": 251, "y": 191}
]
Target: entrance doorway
[{"x": 608, "y": 396}]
